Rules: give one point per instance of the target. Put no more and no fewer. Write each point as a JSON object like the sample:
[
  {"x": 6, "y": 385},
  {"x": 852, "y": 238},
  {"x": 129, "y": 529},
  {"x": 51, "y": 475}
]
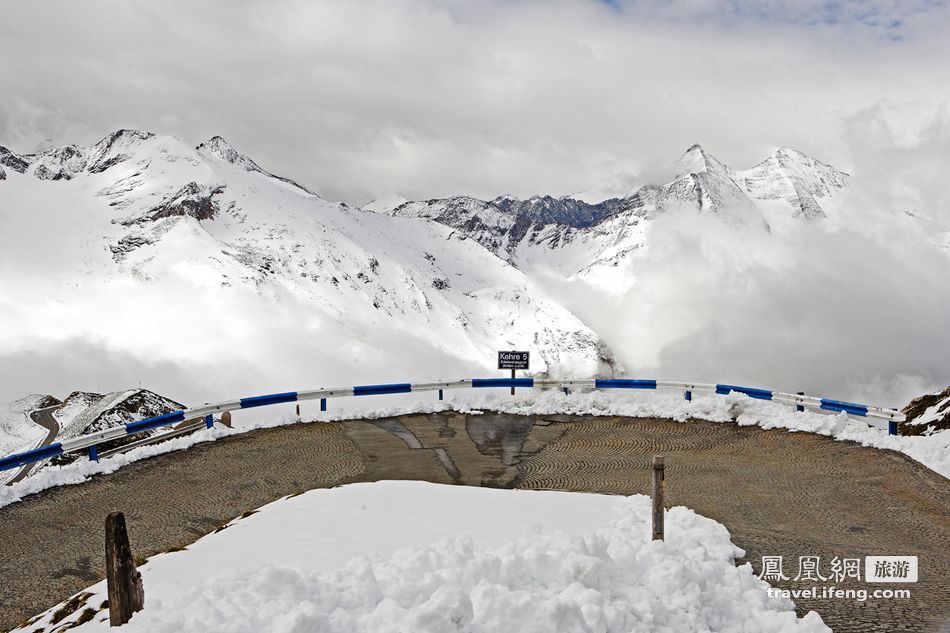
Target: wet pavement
[{"x": 779, "y": 493}]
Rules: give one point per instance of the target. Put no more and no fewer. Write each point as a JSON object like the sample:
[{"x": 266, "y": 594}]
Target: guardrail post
[
  {"x": 567, "y": 391},
  {"x": 94, "y": 453},
  {"x": 323, "y": 404},
  {"x": 440, "y": 394},
  {"x": 512, "y": 377},
  {"x": 891, "y": 427},
  {"x": 298, "y": 410},
  {"x": 659, "y": 477},
  {"x": 688, "y": 395},
  {"x": 126, "y": 594},
  {"x": 209, "y": 421},
  {"x": 800, "y": 407}
]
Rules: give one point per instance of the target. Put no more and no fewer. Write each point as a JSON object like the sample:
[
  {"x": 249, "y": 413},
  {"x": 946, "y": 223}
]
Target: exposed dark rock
[
  {"x": 192, "y": 200},
  {"x": 126, "y": 245},
  {"x": 12, "y": 161},
  {"x": 918, "y": 406}
]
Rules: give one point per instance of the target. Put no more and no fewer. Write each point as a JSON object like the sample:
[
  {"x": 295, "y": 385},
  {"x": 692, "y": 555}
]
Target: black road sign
[{"x": 513, "y": 360}]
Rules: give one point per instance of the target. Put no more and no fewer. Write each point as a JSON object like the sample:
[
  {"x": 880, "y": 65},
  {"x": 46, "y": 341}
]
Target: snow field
[{"x": 412, "y": 556}]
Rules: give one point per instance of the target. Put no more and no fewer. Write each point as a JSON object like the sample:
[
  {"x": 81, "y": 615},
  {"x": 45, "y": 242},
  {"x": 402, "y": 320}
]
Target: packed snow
[
  {"x": 411, "y": 556},
  {"x": 933, "y": 451}
]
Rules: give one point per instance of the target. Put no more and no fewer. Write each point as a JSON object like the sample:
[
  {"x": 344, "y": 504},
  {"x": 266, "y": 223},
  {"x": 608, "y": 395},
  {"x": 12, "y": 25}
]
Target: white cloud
[{"x": 434, "y": 97}]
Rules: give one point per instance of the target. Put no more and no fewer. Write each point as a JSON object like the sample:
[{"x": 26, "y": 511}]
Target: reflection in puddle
[{"x": 499, "y": 435}]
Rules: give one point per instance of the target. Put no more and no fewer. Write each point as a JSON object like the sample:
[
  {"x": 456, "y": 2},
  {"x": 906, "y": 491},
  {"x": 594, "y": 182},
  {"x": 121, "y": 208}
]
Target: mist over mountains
[{"x": 202, "y": 274}]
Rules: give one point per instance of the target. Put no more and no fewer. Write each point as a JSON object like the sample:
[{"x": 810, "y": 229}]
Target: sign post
[{"x": 513, "y": 360}]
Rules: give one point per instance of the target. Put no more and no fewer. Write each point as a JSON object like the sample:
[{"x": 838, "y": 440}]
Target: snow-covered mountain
[
  {"x": 598, "y": 236},
  {"x": 140, "y": 219}
]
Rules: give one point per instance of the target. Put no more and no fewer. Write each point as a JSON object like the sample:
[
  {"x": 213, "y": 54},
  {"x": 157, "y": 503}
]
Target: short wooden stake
[
  {"x": 298, "y": 410},
  {"x": 126, "y": 594},
  {"x": 658, "y": 478},
  {"x": 226, "y": 419}
]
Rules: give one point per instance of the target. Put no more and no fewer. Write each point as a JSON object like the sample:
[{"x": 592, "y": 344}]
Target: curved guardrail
[{"x": 90, "y": 441}]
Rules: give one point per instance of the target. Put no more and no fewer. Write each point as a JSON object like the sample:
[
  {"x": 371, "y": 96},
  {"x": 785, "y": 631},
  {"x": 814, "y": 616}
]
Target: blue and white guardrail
[{"x": 89, "y": 442}]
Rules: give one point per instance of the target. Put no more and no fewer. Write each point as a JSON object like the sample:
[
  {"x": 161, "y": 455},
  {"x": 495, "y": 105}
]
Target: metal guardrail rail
[{"x": 89, "y": 442}]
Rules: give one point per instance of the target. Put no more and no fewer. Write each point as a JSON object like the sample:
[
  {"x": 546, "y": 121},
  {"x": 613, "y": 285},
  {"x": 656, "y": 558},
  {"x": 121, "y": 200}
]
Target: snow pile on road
[
  {"x": 409, "y": 556},
  {"x": 933, "y": 451}
]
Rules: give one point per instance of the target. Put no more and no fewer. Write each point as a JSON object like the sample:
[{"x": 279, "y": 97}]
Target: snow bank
[
  {"x": 932, "y": 450},
  {"x": 410, "y": 556}
]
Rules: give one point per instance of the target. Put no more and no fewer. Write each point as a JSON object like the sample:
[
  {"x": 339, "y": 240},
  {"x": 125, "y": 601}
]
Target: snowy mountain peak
[
  {"x": 696, "y": 160},
  {"x": 794, "y": 177},
  {"x": 114, "y": 149},
  {"x": 219, "y": 148}
]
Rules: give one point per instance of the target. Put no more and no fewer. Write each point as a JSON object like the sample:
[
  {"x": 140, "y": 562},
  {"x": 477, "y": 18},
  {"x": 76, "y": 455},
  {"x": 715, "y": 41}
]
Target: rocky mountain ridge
[{"x": 789, "y": 183}]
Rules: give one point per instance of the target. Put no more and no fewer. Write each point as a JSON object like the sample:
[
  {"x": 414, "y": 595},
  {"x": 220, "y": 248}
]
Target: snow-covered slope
[
  {"x": 126, "y": 233},
  {"x": 111, "y": 410}
]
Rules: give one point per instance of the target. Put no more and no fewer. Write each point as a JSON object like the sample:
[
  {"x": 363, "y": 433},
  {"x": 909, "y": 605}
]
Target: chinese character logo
[
  {"x": 808, "y": 568},
  {"x": 772, "y": 569},
  {"x": 842, "y": 568},
  {"x": 890, "y": 569}
]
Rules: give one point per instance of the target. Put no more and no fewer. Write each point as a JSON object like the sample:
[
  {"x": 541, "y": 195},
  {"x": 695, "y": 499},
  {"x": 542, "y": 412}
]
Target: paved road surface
[
  {"x": 43, "y": 417},
  {"x": 779, "y": 493}
]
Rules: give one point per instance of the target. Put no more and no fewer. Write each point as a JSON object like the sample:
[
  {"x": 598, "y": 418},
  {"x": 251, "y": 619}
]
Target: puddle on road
[
  {"x": 483, "y": 449},
  {"x": 499, "y": 435}
]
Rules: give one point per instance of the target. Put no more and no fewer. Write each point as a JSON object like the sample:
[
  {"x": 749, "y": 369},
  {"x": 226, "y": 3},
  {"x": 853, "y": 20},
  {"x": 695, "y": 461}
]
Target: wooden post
[
  {"x": 298, "y": 409},
  {"x": 126, "y": 594},
  {"x": 658, "y": 478},
  {"x": 226, "y": 419},
  {"x": 512, "y": 377}
]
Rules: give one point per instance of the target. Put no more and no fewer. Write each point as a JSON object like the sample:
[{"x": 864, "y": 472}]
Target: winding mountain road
[
  {"x": 43, "y": 417},
  {"x": 779, "y": 493}
]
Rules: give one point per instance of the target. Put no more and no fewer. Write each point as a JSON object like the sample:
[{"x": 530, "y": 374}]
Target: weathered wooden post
[
  {"x": 658, "y": 478},
  {"x": 226, "y": 419},
  {"x": 298, "y": 409},
  {"x": 126, "y": 594}
]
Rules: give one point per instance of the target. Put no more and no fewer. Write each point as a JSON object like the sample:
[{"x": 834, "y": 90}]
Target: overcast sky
[{"x": 432, "y": 97}]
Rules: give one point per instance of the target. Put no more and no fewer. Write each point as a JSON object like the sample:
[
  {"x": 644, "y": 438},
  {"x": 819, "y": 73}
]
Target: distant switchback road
[{"x": 43, "y": 417}]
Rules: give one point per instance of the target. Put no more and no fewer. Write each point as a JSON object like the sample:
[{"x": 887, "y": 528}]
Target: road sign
[{"x": 513, "y": 360}]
